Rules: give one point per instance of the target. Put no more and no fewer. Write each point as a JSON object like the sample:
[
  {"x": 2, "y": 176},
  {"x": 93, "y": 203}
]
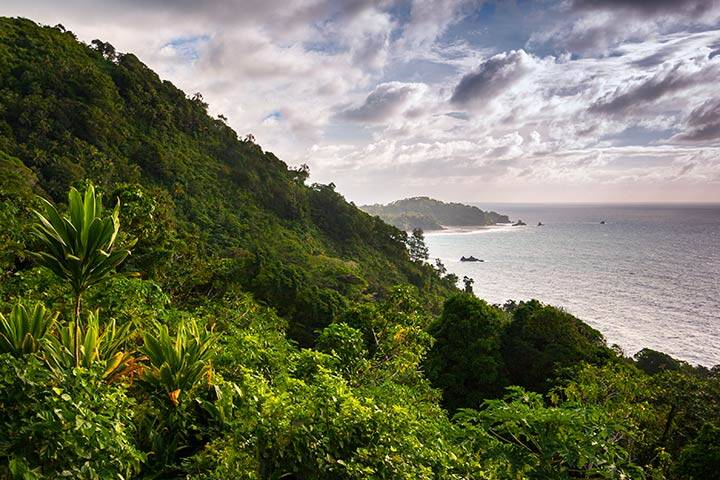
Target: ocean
[{"x": 648, "y": 277}]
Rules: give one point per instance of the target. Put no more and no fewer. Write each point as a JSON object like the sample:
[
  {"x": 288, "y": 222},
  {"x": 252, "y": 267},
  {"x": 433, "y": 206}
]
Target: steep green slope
[
  {"x": 224, "y": 211},
  {"x": 430, "y": 214}
]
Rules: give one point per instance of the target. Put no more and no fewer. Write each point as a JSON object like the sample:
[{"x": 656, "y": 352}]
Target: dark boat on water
[{"x": 470, "y": 259}]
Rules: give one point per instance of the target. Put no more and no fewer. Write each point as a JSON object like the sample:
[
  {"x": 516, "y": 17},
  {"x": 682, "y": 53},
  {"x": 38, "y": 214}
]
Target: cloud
[
  {"x": 284, "y": 17},
  {"x": 250, "y": 54},
  {"x": 703, "y": 123},
  {"x": 430, "y": 18},
  {"x": 679, "y": 78},
  {"x": 592, "y": 27},
  {"x": 650, "y": 7},
  {"x": 657, "y": 58},
  {"x": 492, "y": 78},
  {"x": 386, "y": 101},
  {"x": 685, "y": 169}
]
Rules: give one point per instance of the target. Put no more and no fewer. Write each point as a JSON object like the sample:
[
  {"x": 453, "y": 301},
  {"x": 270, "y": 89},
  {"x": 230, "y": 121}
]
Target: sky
[{"x": 473, "y": 101}]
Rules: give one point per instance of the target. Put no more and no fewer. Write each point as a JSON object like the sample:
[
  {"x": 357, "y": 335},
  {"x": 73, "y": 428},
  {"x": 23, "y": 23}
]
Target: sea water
[{"x": 648, "y": 277}]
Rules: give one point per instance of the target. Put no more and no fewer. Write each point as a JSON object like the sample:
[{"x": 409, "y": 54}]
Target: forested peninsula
[
  {"x": 429, "y": 214},
  {"x": 177, "y": 302}
]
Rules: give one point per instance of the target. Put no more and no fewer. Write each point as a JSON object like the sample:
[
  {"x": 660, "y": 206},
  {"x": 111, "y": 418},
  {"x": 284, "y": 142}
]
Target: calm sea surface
[{"x": 648, "y": 277}]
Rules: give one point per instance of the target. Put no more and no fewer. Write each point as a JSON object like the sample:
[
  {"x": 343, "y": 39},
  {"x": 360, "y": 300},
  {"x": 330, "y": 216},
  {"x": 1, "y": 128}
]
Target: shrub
[{"x": 65, "y": 424}]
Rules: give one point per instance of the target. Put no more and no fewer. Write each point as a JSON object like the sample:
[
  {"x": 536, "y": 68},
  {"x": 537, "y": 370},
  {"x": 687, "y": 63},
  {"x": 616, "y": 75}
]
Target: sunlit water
[{"x": 648, "y": 277}]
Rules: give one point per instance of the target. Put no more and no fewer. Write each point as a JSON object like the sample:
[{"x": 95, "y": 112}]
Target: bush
[
  {"x": 69, "y": 424},
  {"x": 346, "y": 343},
  {"x": 525, "y": 438}
]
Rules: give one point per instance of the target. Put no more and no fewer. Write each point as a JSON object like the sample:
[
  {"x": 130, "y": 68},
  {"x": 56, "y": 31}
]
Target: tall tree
[
  {"x": 465, "y": 361},
  {"x": 416, "y": 246}
]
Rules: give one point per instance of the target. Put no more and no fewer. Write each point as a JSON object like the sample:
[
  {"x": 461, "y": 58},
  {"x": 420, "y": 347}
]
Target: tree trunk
[
  {"x": 77, "y": 330},
  {"x": 668, "y": 424}
]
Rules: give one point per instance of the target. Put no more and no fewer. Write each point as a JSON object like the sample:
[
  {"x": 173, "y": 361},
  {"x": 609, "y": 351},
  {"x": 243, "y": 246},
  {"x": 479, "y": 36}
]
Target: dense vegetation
[
  {"x": 212, "y": 317},
  {"x": 430, "y": 214}
]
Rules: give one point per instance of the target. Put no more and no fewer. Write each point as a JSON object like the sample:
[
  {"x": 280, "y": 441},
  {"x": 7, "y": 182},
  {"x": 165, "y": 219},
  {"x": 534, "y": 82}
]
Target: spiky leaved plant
[
  {"x": 178, "y": 364},
  {"x": 22, "y": 331},
  {"x": 79, "y": 247},
  {"x": 96, "y": 345}
]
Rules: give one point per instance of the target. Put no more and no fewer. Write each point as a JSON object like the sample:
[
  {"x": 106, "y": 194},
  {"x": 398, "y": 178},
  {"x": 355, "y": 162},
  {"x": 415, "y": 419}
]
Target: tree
[
  {"x": 178, "y": 364},
  {"x": 344, "y": 342},
  {"x": 451, "y": 279},
  {"x": 652, "y": 362},
  {"x": 468, "y": 282},
  {"x": 416, "y": 246},
  {"x": 465, "y": 361},
  {"x": 300, "y": 174},
  {"x": 105, "y": 49},
  {"x": 440, "y": 267},
  {"x": 79, "y": 247},
  {"x": 542, "y": 339}
]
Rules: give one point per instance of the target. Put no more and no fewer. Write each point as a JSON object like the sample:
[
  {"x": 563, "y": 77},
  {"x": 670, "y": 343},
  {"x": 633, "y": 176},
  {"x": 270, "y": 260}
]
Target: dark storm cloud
[
  {"x": 650, "y": 7},
  {"x": 386, "y": 101},
  {"x": 491, "y": 78},
  {"x": 659, "y": 86},
  {"x": 703, "y": 123}
]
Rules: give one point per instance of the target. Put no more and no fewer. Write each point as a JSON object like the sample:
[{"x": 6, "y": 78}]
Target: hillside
[
  {"x": 225, "y": 320},
  {"x": 430, "y": 214},
  {"x": 225, "y": 212}
]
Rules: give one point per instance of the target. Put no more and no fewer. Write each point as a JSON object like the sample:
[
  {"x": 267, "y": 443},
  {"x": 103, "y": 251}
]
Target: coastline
[
  {"x": 664, "y": 297},
  {"x": 468, "y": 230}
]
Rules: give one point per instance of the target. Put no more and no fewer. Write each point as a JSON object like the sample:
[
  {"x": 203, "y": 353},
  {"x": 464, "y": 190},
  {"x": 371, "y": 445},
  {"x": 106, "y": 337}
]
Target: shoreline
[{"x": 467, "y": 230}]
